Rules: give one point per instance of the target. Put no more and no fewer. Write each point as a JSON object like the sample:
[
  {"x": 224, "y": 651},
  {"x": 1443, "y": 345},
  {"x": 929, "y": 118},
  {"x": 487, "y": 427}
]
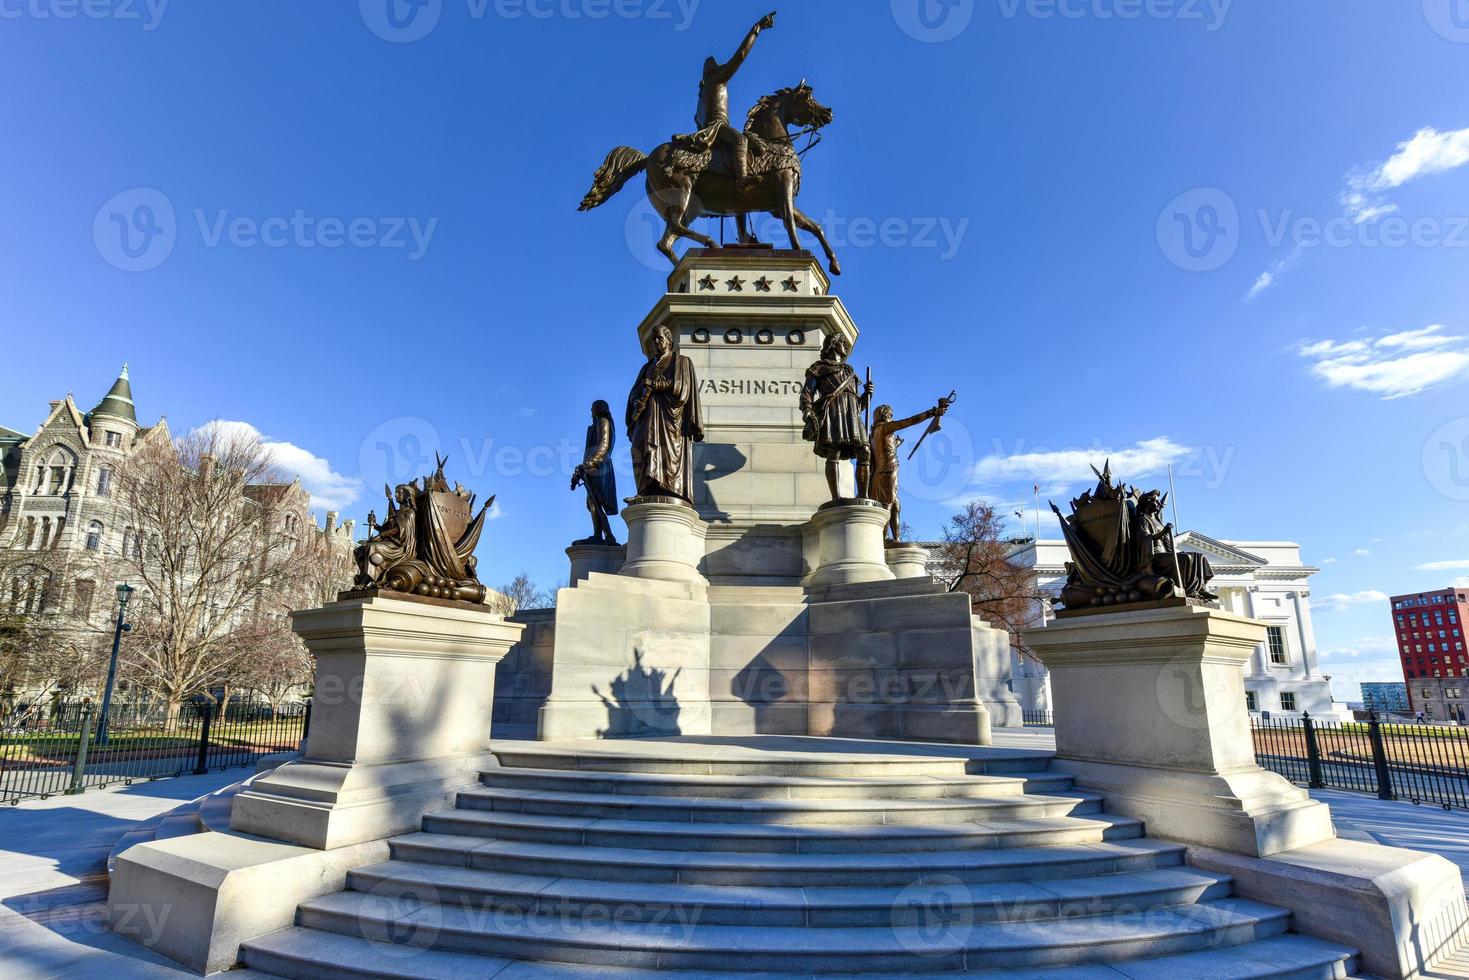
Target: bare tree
[
  {"x": 974, "y": 558},
  {"x": 207, "y": 542},
  {"x": 521, "y": 593}
]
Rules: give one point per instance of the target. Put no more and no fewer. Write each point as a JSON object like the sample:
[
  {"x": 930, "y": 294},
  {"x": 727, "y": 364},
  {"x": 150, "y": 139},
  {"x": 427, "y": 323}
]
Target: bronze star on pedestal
[
  {"x": 791, "y": 285},
  {"x": 763, "y": 284},
  {"x": 706, "y": 283},
  {"x": 736, "y": 285}
]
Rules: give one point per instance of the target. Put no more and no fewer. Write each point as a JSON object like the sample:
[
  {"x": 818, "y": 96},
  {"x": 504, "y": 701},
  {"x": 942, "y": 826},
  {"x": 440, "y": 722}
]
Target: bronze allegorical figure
[
  {"x": 1123, "y": 553},
  {"x": 664, "y": 420},
  {"x": 596, "y": 474},
  {"x": 425, "y": 545},
  {"x": 721, "y": 171},
  {"x": 883, "y": 486},
  {"x": 832, "y": 403}
]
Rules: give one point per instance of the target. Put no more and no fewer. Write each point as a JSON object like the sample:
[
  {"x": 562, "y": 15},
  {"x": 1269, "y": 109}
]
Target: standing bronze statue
[
  {"x": 425, "y": 546},
  {"x": 596, "y": 474},
  {"x": 664, "y": 420},
  {"x": 719, "y": 170},
  {"x": 832, "y": 403},
  {"x": 883, "y": 487},
  {"x": 1123, "y": 553}
]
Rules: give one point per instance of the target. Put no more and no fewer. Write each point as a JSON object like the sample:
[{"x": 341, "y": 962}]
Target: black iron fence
[
  {"x": 1419, "y": 763},
  {"x": 1038, "y": 719},
  {"x": 70, "y": 750}
]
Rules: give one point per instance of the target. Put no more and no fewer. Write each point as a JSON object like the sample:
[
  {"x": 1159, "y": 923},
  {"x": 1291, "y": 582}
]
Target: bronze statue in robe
[
  {"x": 832, "y": 403},
  {"x": 883, "y": 486},
  {"x": 664, "y": 420},
  {"x": 596, "y": 474}
]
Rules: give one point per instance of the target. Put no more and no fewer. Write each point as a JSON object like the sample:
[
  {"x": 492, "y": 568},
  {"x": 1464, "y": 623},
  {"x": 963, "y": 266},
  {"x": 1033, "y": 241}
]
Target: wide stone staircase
[{"x": 786, "y": 857}]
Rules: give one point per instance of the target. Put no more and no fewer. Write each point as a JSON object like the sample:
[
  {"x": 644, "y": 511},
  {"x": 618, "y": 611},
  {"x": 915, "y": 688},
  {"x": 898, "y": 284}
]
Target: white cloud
[
  {"x": 329, "y": 489},
  {"x": 1068, "y": 467},
  {"x": 1393, "y": 366},
  {"x": 1342, "y": 601},
  {"x": 1428, "y": 152},
  {"x": 1328, "y": 561},
  {"x": 1361, "y": 552},
  {"x": 525, "y": 411},
  {"x": 1272, "y": 275},
  {"x": 1455, "y": 565}
]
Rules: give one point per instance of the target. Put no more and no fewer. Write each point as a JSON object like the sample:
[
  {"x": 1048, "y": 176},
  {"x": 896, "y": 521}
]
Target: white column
[{"x": 1306, "y": 633}]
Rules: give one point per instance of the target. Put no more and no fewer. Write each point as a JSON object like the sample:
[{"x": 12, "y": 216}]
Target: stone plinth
[
  {"x": 587, "y": 558},
  {"x": 846, "y": 544},
  {"x": 400, "y": 721},
  {"x": 1150, "y": 710},
  {"x": 907, "y": 560},
  {"x": 665, "y": 541},
  {"x": 751, "y": 321}
]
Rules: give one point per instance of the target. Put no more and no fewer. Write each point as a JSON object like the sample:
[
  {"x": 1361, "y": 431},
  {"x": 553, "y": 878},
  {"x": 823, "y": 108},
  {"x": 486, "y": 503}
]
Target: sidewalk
[
  {"x": 53, "y": 880},
  {"x": 53, "y": 853}
]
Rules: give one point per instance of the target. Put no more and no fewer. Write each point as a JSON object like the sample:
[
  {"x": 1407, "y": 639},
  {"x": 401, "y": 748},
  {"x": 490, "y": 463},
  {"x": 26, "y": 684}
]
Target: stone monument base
[
  {"x": 907, "y": 560},
  {"x": 665, "y": 540},
  {"x": 845, "y": 544},
  {"x": 589, "y": 556},
  {"x": 1151, "y": 712}
]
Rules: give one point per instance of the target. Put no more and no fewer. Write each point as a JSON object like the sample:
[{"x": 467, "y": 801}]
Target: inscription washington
[{"x": 749, "y": 386}]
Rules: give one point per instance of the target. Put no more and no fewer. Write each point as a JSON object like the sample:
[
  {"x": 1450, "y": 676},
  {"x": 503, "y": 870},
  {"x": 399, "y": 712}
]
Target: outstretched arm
[
  {"x": 728, "y": 69},
  {"x": 911, "y": 421}
]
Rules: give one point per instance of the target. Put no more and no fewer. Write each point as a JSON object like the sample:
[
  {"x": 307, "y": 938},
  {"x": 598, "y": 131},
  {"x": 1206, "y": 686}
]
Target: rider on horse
[{"x": 712, "y": 117}]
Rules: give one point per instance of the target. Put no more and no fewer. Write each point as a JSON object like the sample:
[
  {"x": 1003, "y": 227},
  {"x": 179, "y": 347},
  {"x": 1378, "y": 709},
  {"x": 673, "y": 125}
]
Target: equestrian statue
[{"x": 719, "y": 170}]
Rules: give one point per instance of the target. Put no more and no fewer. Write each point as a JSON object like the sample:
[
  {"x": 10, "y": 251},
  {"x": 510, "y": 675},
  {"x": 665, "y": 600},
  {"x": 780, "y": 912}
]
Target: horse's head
[
  {"x": 803, "y": 109},
  {"x": 790, "y": 107}
]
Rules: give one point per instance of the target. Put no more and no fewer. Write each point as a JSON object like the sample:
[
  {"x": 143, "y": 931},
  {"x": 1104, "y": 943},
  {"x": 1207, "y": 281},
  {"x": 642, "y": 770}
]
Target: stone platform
[{"x": 788, "y": 857}]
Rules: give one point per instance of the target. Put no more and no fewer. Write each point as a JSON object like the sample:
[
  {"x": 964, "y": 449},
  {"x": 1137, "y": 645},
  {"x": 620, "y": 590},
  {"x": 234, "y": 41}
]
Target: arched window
[
  {"x": 104, "y": 481},
  {"x": 59, "y": 470},
  {"x": 94, "y": 536}
]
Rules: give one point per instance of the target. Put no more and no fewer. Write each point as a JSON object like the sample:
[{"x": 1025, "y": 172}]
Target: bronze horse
[{"x": 687, "y": 181}]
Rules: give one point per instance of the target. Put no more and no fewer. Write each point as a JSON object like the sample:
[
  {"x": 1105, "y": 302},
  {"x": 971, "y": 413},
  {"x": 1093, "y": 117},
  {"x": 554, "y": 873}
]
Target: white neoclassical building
[{"x": 1264, "y": 580}]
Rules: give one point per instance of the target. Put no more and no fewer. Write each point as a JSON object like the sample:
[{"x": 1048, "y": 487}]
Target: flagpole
[
  {"x": 1173, "y": 493},
  {"x": 1037, "y": 488}
]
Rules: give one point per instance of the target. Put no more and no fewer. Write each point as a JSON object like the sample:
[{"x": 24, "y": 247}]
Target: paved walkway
[
  {"x": 53, "y": 857},
  {"x": 53, "y": 881}
]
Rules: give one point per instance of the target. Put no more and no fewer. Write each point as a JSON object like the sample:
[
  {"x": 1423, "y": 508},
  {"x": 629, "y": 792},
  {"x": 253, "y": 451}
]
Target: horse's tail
[{"x": 621, "y": 165}]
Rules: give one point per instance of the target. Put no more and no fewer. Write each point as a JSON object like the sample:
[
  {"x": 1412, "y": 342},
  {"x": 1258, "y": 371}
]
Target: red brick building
[{"x": 1429, "y": 627}]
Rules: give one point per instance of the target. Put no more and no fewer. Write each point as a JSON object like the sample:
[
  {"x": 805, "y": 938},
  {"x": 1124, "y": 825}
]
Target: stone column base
[
  {"x": 1249, "y": 811},
  {"x": 405, "y": 691},
  {"x": 330, "y": 805},
  {"x": 606, "y": 559},
  {"x": 848, "y": 547},
  {"x": 665, "y": 540},
  {"x": 1150, "y": 710},
  {"x": 907, "y": 560}
]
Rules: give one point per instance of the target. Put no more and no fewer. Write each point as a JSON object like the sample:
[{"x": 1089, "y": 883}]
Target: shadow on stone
[{"x": 642, "y": 702}]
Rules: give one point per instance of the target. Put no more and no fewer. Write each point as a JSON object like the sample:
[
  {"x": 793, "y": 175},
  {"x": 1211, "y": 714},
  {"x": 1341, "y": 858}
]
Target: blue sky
[{"x": 1228, "y": 235}]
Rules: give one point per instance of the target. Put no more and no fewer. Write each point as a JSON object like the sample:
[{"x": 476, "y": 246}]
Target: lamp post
[{"x": 124, "y": 592}]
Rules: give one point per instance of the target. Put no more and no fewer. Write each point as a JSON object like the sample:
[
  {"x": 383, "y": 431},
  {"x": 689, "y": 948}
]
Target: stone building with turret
[{"x": 60, "y": 521}]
